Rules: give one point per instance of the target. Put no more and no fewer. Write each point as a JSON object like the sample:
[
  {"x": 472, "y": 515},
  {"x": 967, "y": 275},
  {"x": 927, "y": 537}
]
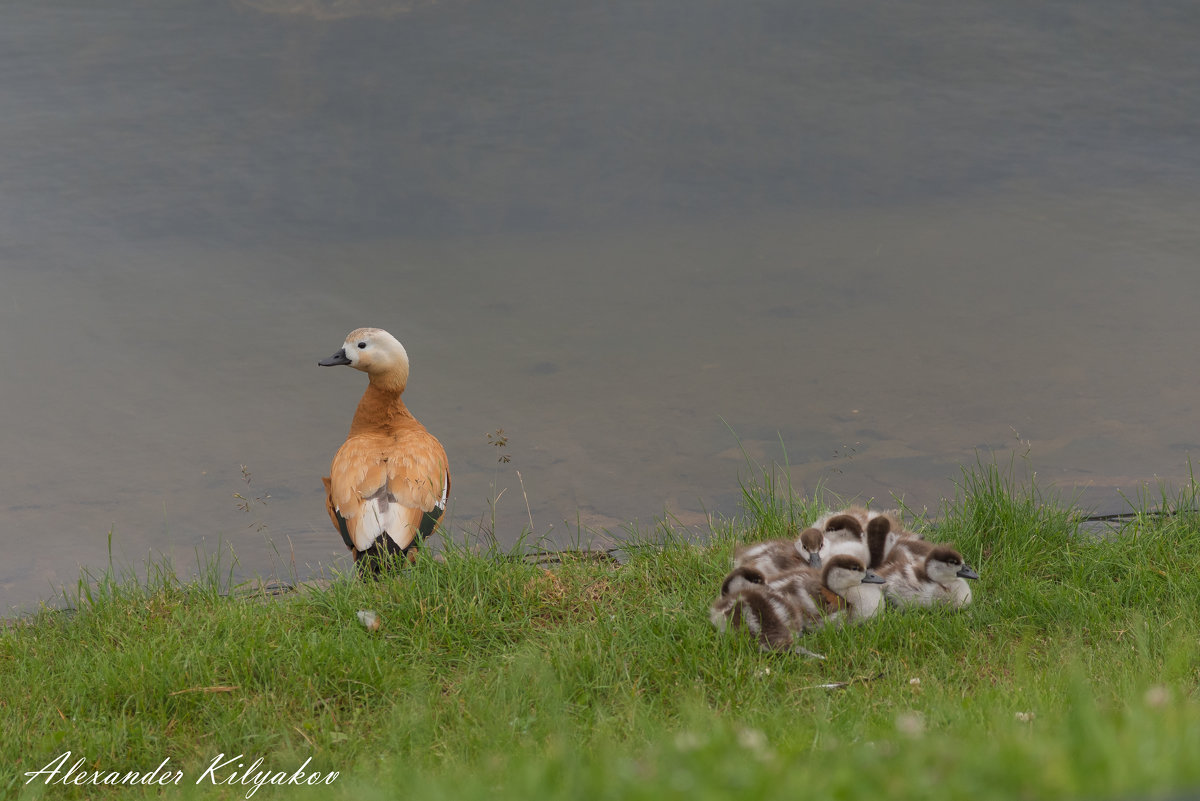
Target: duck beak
[
  {"x": 873, "y": 578},
  {"x": 335, "y": 359},
  {"x": 814, "y": 560},
  {"x": 966, "y": 572}
]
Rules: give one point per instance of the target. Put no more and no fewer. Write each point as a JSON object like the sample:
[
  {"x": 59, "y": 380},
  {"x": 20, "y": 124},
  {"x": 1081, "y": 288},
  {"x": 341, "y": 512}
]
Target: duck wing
[{"x": 388, "y": 485}]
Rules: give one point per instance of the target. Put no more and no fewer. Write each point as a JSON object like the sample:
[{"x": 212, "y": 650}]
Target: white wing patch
[{"x": 380, "y": 514}]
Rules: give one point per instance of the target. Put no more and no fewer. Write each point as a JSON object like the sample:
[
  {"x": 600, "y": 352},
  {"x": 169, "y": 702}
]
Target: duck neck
[{"x": 381, "y": 407}]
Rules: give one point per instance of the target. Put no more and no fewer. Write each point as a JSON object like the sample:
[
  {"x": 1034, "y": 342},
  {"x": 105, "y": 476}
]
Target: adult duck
[{"x": 390, "y": 480}]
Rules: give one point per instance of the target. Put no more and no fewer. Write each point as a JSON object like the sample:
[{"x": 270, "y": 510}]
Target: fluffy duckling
[
  {"x": 390, "y": 480},
  {"x": 867, "y": 536},
  {"x": 777, "y": 610},
  {"x": 923, "y": 574},
  {"x": 851, "y": 518},
  {"x": 746, "y": 601},
  {"x": 854, "y": 519},
  {"x": 883, "y": 536},
  {"x": 772, "y": 557},
  {"x": 843, "y": 535},
  {"x": 855, "y": 589},
  {"x": 843, "y": 590}
]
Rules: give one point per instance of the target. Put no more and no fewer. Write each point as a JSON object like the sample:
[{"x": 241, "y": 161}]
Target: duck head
[
  {"x": 844, "y": 522},
  {"x": 809, "y": 544},
  {"x": 945, "y": 564},
  {"x": 741, "y": 578},
  {"x": 376, "y": 353},
  {"x": 844, "y": 572}
]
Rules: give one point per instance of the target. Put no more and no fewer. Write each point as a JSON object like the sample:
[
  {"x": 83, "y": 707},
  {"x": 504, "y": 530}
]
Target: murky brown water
[{"x": 887, "y": 236}]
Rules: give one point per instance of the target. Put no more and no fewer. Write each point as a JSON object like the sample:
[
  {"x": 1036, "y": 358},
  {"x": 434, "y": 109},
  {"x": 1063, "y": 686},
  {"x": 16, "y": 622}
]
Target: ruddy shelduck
[{"x": 390, "y": 480}]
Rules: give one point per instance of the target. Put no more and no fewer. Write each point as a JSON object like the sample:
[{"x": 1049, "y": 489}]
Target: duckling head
[
  {"x": 843, "y": 572},
  {"x": 376, "y": 353},
  {"x": 809, "y": 544},
  {"x": 844, "y": 522},
  {"x": 944, "y": 565},
  {"x": 741, "y": 578}
]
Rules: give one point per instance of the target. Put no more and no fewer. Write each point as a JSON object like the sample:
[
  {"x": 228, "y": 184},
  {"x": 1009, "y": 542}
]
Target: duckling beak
[
  {"x": 872, "y": 577},
  {"x": 966, "y": 572},
  {"x": 814, "y": 560},
  {"x": 335, "y": 359}
]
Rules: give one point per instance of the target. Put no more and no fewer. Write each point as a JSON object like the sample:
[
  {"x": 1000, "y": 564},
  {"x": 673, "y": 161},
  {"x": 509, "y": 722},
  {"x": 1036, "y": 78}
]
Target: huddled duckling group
[{"x": 840, "y": 570}]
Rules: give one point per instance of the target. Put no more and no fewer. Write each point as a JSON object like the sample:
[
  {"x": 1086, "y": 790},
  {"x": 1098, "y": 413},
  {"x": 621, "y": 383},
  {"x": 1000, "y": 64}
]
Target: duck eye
[{"x": 362, "y": 345}]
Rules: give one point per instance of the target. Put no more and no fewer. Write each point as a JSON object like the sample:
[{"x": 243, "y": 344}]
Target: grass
[{"x": 1073, "y": 675}]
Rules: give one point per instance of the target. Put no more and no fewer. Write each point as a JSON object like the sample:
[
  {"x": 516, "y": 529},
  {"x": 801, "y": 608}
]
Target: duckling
[
  {"x": 844, "y": 590},
  {"x": 390, "y": 480},
  {"x": 837, "y": 520},
  {"x": 880, "y": 539},
  {"x": 883, "y": 535},
  {"x": 857, "y": 588},
  {"x": 777, "y": 610},
  {"x": 772, "y": 557},
  {"x": 740, "y": 578},
  {"x": 844, "y": 533},
  {"x": 852, "y": 518},
  {"x": 746, "y": 601},
  {"x": 923, "y": 574}
]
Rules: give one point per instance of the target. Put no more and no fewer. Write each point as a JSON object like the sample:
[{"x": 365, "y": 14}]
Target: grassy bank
[{"x": 1074, "y": 674}]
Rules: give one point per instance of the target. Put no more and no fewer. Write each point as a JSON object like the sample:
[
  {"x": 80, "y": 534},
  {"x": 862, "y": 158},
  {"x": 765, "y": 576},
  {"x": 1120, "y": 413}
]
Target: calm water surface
[{"x": 647, "y": 241}]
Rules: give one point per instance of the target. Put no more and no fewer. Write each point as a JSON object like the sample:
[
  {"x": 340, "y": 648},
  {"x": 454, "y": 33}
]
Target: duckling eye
[{"x": 362, "y": 345}]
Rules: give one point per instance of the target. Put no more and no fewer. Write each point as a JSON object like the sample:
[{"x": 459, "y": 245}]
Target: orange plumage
[{"x": 390, "y": 480}]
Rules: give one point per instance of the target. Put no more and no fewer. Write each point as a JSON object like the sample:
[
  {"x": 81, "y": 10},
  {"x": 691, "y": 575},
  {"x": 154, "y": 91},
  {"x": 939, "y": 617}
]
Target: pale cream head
[{"x": 376, "y": 353}]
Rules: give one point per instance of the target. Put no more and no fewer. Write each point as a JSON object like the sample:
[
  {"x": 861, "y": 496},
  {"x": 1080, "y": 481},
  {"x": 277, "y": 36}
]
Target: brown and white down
[
  {"x": 776, "y": 610},
  {"x": 920, "y": 573},
  {"x": 772, "y": 557},
  {"x": 867, "y": 536}
]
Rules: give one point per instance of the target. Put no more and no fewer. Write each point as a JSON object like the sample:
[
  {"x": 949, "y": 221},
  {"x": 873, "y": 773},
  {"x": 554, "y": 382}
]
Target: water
[{"x": 647, "y": 241}]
